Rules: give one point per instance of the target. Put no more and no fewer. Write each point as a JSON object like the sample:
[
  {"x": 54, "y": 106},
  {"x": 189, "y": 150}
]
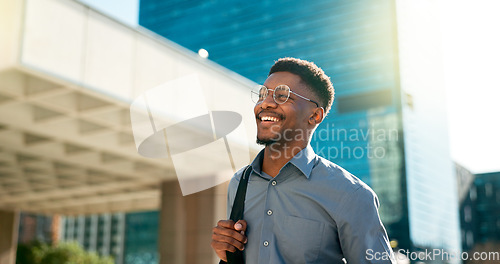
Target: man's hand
[{"x": 228, "y": 236}]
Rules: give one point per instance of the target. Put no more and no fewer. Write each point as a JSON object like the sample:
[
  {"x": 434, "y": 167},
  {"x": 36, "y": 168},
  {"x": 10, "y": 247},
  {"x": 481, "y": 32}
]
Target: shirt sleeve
[{"x": 362, "y": 236}]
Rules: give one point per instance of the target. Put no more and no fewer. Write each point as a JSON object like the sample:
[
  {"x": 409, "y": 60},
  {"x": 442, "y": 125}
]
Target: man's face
[{"x": 283, "y": 122}]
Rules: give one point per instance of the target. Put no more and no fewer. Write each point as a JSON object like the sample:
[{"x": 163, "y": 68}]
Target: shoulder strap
[
  {"x": 237, "y": 212},
  {"x": 239, "y": 199}
]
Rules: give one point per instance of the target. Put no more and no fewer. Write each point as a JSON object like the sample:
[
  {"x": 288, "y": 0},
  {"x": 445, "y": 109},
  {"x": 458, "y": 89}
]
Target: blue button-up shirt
[{"x": 313, "y": 211}]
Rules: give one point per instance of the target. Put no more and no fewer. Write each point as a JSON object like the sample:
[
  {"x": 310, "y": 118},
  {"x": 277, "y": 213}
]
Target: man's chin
[{"x": 265, "y": 142}]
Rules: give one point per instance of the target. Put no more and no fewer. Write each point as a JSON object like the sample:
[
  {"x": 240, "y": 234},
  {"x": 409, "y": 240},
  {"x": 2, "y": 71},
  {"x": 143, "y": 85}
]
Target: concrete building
[
  {"x": 467, "y": 194},
  {"x": 68, "y": 75}
]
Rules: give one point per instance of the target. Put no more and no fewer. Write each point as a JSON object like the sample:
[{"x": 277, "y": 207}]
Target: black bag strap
[{"x": 237, "y": 213}]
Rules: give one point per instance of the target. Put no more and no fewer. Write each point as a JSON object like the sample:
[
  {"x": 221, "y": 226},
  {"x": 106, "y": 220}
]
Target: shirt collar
[
  {"x": 257, "y": 163},
  {"x": 304, "y": 161}
]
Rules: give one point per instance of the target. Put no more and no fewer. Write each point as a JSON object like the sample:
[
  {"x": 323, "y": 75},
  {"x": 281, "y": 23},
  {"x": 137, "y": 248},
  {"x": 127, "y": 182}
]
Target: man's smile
[{"x": 269, "y": 117}]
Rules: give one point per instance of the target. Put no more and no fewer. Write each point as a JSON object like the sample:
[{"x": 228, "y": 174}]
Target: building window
[
  {"x": 488, "y": 189},
  {"x": 467, "y": 214},
  {"x": 470, "y": 239},
  {"x": 473, "y": 194}
]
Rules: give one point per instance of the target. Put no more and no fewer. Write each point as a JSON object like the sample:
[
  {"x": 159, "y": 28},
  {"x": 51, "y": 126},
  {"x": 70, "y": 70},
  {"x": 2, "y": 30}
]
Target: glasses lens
[
  {"x": 259, "y": 93},
  {"x": 281, "y": 94}
]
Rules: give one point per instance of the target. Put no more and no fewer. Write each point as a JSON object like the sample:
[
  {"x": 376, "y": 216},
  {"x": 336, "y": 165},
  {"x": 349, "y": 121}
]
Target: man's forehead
[
  {"x": 288, "y": 78},
  {"x": 293, "y": 81}
]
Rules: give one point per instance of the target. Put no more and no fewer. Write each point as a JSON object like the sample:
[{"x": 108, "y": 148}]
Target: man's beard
[{"x": 265, "y": 142}]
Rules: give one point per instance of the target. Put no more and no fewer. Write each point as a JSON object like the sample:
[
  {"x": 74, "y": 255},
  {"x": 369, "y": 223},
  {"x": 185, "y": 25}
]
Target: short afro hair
[{"x": 312, "y": 75}]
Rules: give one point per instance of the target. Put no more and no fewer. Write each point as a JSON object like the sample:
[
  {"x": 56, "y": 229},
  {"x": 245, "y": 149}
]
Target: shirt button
[
  {"x": 274, "y": 183},
  {"x": 269, "y": 212},
  {"x": 266, "y": 243}
]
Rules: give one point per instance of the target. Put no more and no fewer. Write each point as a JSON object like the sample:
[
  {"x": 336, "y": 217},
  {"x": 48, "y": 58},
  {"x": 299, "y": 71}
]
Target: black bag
[{"x": 237, "y": 214}]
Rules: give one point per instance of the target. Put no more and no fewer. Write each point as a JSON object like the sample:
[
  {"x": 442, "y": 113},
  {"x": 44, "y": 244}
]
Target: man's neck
[{"x": 277, "y": 155}]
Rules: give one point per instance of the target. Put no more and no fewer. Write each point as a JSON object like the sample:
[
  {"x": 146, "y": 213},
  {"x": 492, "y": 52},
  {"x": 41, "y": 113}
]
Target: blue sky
[{"x": 472, "y": 66}]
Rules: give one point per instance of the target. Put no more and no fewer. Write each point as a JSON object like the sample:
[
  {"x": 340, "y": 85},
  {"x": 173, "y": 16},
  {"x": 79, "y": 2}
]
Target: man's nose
[{"x": 269, "y": 101}]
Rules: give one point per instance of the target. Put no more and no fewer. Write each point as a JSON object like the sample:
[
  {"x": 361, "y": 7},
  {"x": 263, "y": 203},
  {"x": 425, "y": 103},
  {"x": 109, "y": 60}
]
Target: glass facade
[
  {"x": 467, "y": 195},
  {"x": 141, "y": 238},
  {"x": 432, "y": 194},
  {"x": 131, "y": 238},
  {"x": 35, "y": 227},
  {"x": 354, "y": 42},
  {"x": 479, "y": 211},
  {"x": 487, "y": 206},
  {"x": 103, "y": 234}
]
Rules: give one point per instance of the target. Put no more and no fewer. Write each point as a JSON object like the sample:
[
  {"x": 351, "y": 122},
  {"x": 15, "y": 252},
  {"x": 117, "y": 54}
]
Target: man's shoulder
[
  {"x": 233, "y": 183},
  {"x": 330, "y": 173}
]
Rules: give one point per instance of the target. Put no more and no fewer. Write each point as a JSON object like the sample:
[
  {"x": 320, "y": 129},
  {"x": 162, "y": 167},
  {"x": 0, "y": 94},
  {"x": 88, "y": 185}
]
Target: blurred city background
[{"x": 415, "y": 116}]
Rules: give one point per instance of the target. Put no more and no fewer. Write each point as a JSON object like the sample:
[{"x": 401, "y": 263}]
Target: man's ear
[{"x": 317, "y": 116}]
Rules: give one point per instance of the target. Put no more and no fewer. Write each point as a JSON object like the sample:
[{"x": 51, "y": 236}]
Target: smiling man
[{"x": 299, "y": 207}]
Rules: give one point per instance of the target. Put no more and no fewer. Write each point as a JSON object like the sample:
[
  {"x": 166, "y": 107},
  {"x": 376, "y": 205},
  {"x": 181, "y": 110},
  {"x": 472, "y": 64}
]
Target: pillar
[
  {"x": 186, "y": 224},
  {"x": 55, "y": 229},
  {"x": 9, "y": 222}
]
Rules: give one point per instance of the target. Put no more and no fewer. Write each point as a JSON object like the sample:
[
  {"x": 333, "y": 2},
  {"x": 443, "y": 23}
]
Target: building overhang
[{"x": 68, "y": 75}]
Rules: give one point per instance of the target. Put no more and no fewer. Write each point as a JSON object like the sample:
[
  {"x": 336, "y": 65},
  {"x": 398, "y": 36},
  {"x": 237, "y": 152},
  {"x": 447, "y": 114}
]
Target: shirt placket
[{"x": 267, "y": 243}]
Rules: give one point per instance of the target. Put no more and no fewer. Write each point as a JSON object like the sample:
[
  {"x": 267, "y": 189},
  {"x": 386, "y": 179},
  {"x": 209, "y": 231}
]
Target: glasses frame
[{"x": 274, "y": 94}]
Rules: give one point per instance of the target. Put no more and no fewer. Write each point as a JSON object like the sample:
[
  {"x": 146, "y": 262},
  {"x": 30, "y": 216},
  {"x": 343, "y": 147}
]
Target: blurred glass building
[
  {"x": 35, "y": 227},
  {"x": 129, "y": 238},
  {"x": 467, "y": 195},
  {"x": 387, "y": 125},
  {"x": 488, "y": 206},
  {"x": 103, "y": 233},
  {"x": 141, "y": 238},
  {"x": 480, "y": 212}
]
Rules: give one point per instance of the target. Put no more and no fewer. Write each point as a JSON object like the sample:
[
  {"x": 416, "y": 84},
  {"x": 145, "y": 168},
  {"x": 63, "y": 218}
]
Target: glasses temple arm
[{"x": 317, "y": 105}]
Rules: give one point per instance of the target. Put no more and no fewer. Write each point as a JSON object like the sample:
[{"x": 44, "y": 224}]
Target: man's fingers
[
  {"x": 228, "y": 236},
  {"x": 226, "y": 243},
  {"x": 229, "y": 233},
  {"x": 226, "y": 223},
  {"x": 219, "y": 250},
  {"x": 241, "y": 225}
]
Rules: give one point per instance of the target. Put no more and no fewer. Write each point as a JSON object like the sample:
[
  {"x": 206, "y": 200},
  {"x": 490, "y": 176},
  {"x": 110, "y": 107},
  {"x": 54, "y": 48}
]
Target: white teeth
[{"x": 269, "y": 118}]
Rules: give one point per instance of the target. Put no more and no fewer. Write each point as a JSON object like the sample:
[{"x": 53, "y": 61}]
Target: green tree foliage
[{"x": 63, "y": 253}]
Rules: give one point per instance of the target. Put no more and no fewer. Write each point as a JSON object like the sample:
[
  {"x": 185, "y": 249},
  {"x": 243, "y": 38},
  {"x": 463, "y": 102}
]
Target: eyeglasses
[{"x": 280, "y": 94}]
